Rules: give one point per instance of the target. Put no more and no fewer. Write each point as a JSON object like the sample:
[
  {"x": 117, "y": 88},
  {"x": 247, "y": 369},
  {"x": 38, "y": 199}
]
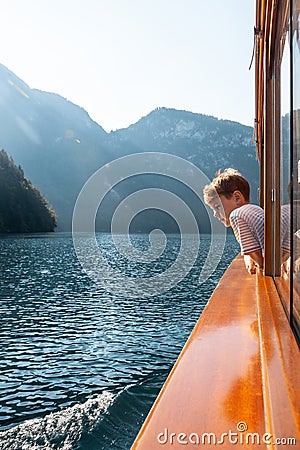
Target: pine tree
[{"x": 22, "y": 207}]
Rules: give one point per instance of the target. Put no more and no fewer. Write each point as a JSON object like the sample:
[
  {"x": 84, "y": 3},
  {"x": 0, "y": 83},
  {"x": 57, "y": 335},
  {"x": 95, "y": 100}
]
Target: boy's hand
[{"x": 250, "y": 264}]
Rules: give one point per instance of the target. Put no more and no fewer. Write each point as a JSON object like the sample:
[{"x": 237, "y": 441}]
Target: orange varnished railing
[{"x": 236, "y": 381}]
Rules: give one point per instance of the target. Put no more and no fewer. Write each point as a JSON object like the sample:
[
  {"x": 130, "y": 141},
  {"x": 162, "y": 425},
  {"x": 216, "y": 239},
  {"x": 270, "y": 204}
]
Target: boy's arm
[
  {"x": 284, "y": 256},
  {"x": 253, "y": 260},
  {"x": 247, "y": 240},
  {"x": 257, "y": 257}
]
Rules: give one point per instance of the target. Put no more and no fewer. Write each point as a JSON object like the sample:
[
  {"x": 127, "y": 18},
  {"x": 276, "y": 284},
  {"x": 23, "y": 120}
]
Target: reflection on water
[{"x": 65, "y": 341}]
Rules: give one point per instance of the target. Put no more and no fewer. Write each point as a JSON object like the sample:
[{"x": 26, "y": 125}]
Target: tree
[{"x": 22, "y": 207}]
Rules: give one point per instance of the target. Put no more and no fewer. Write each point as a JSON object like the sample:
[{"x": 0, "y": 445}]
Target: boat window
[
  {"x": 283, "y": 61},
  {"x": 285, "y": 139},
  {"x": 296, "y": 164},
  {"x": 278, "y": 146},
  {"x": 288, "y": 121}
]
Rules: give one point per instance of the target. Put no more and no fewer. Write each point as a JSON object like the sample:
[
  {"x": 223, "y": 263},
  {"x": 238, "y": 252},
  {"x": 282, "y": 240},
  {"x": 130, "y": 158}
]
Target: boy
[{"x": 229, "y": 197}]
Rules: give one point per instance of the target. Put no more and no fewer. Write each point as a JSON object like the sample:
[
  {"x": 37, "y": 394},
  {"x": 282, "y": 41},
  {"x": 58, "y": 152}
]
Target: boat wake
[{"x": 60, "y": 430}]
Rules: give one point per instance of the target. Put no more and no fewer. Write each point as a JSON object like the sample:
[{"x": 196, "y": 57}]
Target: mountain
[
  {"x": 206, "y": 141},
  {"x": 59, "y": 146},
  {"x": 22, "y": 207},
  {"x": 55, "y": 141}
]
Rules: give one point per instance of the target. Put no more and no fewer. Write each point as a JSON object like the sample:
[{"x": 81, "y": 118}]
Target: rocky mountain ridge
[{"x": 59, "y": 146}]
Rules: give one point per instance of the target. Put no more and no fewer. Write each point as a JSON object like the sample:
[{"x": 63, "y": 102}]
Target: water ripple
[
  {"x": 60, "y": 430},
  {"x": 63, "y": 340}
]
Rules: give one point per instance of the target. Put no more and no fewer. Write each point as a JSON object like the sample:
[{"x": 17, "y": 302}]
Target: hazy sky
[{"x": 120, "y": 59}]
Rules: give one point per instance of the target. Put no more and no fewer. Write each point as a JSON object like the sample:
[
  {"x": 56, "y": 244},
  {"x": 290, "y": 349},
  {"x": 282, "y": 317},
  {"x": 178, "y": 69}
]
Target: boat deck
[{"x": 236, "y": 381}]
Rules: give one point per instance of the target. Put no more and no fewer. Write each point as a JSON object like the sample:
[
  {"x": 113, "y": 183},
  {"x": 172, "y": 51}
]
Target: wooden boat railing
[{"x": 238, "y": 374}]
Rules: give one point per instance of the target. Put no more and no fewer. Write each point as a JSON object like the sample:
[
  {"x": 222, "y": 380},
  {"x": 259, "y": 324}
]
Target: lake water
[{"x": 81, "y": 367}]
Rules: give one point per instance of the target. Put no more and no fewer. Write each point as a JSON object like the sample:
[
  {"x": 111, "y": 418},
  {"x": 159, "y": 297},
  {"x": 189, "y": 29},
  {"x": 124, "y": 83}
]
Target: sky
[{"x": 120, "y": 59}]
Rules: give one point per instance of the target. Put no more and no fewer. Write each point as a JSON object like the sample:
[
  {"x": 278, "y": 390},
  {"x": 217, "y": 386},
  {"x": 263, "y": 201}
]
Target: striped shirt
[
  {"x": 248, "y": 226},
  {"x": 285, "y": 227}
]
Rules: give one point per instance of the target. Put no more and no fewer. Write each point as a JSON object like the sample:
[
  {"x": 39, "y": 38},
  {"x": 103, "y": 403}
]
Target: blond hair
[{"x": 225, "y": 183}]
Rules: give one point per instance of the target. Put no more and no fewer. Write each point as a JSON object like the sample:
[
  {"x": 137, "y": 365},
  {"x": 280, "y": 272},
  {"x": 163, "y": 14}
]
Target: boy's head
[{"x": 227, "y": 191}]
